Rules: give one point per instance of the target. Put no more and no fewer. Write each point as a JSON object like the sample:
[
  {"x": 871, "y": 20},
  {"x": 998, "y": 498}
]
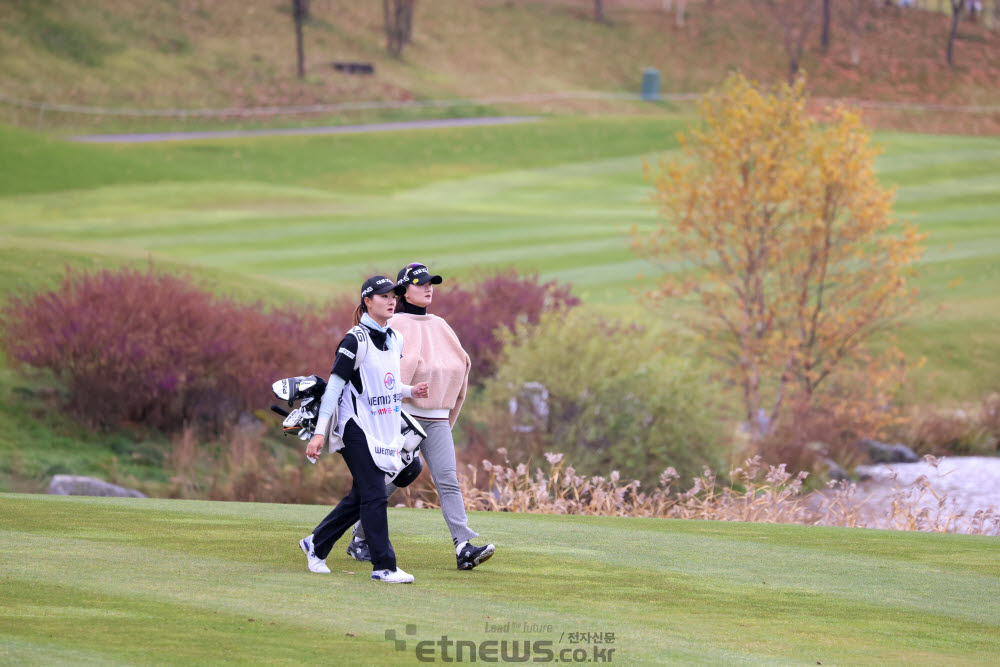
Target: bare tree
[
  {"x": 796, "y": 18},
  {"x": 956, "y": 13},
  {"x": 853, "y": 13},
  {"x": 408, "y": 22},
  {"x": 680, "y": 10},
  {"x": 398, "y": 24},
  {"x": 300, "y": 12},
  {"x": 599, "y": 11},
  {"x": 824, "y": 38}
]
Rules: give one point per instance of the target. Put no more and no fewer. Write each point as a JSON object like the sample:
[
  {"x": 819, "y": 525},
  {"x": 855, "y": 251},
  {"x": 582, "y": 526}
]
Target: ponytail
[{"x": 357, "y": 314}]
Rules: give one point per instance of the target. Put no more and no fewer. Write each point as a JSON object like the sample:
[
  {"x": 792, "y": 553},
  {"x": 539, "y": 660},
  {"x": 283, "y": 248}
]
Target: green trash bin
[{"x": 651, "y": 84}]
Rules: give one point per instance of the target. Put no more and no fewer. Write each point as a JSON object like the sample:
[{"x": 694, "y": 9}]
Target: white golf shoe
[
  {"x": 315, "y": 564},
  {"x": 396, "y": 576}
]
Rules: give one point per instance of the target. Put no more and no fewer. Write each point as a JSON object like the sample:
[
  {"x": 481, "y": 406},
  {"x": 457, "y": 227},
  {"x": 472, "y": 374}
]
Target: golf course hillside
[
  {"x": 196, "y": 55},
  {"x": 89, "y": 580}
]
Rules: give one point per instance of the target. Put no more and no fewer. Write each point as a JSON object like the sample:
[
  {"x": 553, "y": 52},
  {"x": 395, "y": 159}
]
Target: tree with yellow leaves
[{"x": 783, "y": 233}]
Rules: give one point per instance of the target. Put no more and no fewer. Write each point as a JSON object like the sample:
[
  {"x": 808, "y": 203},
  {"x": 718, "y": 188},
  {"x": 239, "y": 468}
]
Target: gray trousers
[{"x": 438, "y": 452}]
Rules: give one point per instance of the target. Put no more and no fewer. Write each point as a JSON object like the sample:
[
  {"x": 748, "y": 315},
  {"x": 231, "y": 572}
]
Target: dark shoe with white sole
[
  {"x": 358, "y": 550},
  {"x": 470, "y": 555}
]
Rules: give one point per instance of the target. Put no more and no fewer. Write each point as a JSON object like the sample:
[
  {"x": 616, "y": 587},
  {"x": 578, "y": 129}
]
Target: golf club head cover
[
  {"x": 409, "y": 472},
  {"x": 413, "y": 432}
]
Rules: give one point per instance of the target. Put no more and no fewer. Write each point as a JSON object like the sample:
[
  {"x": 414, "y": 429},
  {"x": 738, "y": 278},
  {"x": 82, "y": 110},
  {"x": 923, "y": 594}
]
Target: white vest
[{"x": 378, "y": 403}]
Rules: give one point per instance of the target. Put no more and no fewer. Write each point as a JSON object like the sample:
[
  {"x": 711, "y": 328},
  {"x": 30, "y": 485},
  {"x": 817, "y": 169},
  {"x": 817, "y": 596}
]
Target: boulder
[
  {"x": 78, "y": 485},
  {"x": 835, "y": 471},
  {"x": 529, "y": 409},
  {"x": 880, "y": 452}
]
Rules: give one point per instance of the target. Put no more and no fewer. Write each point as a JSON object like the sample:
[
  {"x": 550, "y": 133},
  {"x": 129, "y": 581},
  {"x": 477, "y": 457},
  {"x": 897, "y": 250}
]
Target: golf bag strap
[{"x": 363, "y": 342}]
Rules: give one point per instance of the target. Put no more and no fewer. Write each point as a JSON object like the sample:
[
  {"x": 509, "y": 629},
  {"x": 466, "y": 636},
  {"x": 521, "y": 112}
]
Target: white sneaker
[
  {"x": 315, "y": 564},
  {"x": 396, "y": 576}
]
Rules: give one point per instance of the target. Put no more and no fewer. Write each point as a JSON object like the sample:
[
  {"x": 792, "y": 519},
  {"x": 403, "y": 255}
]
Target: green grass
[
  {"x": 369, "y": 163},
  {"x": 294, "y": 217},
  {"x": 141, "y": 581},
  {"x": 299, "y": 218},
  {"x": 37, "y": 442}
]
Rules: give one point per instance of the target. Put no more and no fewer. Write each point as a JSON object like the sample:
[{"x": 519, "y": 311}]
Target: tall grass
[
  {"x": 246, "y": 467},
  {"x": 755, "y": 492}
]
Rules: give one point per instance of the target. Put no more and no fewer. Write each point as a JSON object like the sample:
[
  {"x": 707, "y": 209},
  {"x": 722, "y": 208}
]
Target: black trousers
[{"x": 367, "y": 499}]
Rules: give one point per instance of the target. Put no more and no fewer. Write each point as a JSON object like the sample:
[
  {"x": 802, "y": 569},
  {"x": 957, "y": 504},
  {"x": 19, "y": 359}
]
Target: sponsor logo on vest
[
  {"x": 389, "y": 381},
  {"x": 386, "y": 451},
  {"x": 385, "y": 404},
  {"x": 386, "y": 399}
]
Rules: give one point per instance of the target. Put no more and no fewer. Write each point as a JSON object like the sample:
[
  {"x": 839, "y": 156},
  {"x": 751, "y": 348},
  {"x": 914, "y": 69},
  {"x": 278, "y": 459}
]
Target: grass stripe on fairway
[
  {"x": 178, "y": 581},
  {"x": 305, "y": 217}
]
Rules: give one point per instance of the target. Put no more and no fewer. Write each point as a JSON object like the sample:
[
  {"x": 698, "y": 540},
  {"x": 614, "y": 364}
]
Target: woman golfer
[
  {"x": 360, "y": 417},
  {"x": 434, "y": 357}
]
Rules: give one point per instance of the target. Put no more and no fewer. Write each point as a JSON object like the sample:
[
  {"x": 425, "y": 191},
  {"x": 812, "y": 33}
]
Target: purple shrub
[{"x": 148, "y": 348}]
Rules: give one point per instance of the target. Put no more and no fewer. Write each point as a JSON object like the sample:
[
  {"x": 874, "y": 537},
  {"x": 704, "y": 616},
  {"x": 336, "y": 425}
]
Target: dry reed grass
[
  {"x": 756, "y": 493},
  {"x": 971, "y": 430},
  {"x": 244, "y": 467}
]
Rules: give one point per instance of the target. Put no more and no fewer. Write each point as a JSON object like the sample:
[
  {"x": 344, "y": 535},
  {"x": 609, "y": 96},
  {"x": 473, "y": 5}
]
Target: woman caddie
[
  {"x": 360, "y": 417},
  {"x": 434, "y": 357}
]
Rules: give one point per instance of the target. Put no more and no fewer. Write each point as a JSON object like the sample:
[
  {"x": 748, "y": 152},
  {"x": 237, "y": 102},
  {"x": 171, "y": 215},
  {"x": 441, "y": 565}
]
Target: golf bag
[{"x": 307, "y": 391}]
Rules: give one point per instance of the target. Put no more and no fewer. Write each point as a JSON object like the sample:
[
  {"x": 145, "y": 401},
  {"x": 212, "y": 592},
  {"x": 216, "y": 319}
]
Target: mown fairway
[
  {"x": 301, "y": 217},
  {"x": 153, "y": 581}
]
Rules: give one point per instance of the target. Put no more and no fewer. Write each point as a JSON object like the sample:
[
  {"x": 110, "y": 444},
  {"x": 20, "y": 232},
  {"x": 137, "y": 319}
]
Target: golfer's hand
[
  {"x": 315, "y": 446},
  {"x": 421, "y": 390}
]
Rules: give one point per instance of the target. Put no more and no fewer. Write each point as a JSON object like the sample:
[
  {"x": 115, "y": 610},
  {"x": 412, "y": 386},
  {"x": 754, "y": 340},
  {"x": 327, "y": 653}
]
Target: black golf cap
[
  {"x": 379, "y": 285},
  {"x": 416, "y": 274}
]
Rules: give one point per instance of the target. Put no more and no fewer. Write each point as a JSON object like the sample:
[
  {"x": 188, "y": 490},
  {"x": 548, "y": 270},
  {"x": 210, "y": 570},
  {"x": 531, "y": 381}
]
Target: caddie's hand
[
  {"x": 421, "y": 390},
  {"x": 315, "y": 446}
]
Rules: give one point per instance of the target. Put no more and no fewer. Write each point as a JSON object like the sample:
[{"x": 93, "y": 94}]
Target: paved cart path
[{"x": 276, "y": 132}]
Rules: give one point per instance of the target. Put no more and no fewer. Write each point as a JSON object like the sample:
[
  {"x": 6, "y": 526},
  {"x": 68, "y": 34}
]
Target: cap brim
[
  {"x": 433, "y": 280},
  {"x": 395, "y": 288}
]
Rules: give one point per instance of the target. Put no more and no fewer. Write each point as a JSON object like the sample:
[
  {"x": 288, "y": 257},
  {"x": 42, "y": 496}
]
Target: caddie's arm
[{"x": 343, "y": 367}]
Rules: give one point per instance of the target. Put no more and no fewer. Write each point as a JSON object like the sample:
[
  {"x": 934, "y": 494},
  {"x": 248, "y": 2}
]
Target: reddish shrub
[
  {"x": 478, "y": 312},
  {"x": 150, "y": 348}
]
